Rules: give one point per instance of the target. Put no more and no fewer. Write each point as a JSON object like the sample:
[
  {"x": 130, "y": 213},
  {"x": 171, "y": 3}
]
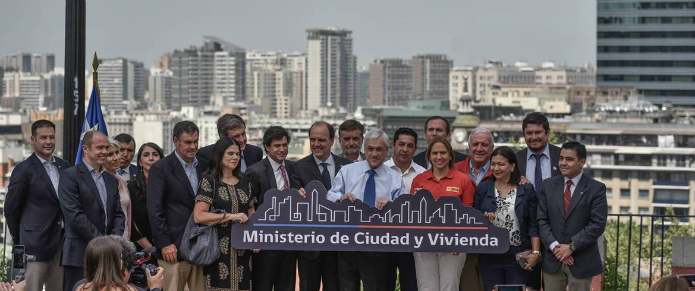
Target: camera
[
  {"x": 137, "y": 273},
  {"x": 19, "y": 262}
]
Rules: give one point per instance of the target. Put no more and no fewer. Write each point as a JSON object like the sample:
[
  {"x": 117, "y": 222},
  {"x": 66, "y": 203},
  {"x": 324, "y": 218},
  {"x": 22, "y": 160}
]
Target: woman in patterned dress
[
  {"x": 224, "y": 188},
  {"x": 510, "y": 206}
]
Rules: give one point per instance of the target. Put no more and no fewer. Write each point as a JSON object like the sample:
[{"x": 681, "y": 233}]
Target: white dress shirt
[
  {"x": 408, "y": 176},
  {"x": 331, "y": 165},
  {"x": 278, "y": 173},
  {"x": 352, "y": 178}
]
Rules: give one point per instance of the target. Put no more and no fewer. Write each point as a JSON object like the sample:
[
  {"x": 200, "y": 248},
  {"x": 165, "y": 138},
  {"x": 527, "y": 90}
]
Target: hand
[
  {"x": 4, "y": 286},
  {"x": 156, "y": 281},
  {"x": 455, "y": 253},
  {"x": 170, "y": 254},
  {"x": 490, "y": 216},
  {"x": 381, "y": 202},
  {"x": 21, "y": 286},
  {"x": 302, "y": 192},
  {"x": 348, "y": 196},
  {"x": 524, "y": 180},
  {"x": 562, "y": 252},
  {"x": 531, "y": 261},
  {"x": 569, "y": 261},
  {"x": 241, "y": 217},
  {"x": 255, "y": 251}
]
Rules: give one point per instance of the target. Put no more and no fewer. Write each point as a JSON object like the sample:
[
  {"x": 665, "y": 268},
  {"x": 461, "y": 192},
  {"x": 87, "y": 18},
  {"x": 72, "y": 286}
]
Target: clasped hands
[{"x": 563, "y": 253}]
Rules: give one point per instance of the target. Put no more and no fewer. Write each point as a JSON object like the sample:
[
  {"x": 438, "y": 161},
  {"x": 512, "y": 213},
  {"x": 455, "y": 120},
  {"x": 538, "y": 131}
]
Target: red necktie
[{"x": 568, "y": 196}]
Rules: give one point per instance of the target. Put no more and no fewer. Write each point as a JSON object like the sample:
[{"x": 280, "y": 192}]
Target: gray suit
[{"x": 584, "y": 223}]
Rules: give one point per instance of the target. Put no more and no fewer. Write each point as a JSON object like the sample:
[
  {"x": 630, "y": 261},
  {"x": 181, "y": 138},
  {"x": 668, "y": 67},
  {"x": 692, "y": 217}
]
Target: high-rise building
[
  {"x": 362, "y": 87},
  {"x": 292, "y": 63},
  {"x": 33, "y": 91},
  {"x": 462, "y": 88},
  {"x": 215, "y": 69},
  {"x": 649, "y": 46},
  {"x": 160, "y": 88},
  {"x": 42, "y": 63},
  {"x": 28, "y": 63},
  {"x": 390, "y": 82},
  {"x": 121, "y": 83},
  {"x": 431, "y": 76},
  {"x": 496, "y": 73},
  {"x": 330, "y": 69},
  {"x": 274, "y": 91}
]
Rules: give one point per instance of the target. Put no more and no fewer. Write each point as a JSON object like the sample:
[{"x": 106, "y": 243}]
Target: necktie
[
  {"x": 120, "y": 172},
  {"x": 538, "y": 174},
  {"x": 568, "y": 196},
  {"x": 326, "y": 176},
  {"x": 243, "y": 163},
  {"x": 284, "y": 177},
  {"x": 370, "y": 189}
]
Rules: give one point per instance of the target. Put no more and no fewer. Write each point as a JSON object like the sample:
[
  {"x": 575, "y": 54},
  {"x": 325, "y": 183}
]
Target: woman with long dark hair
[
  {"x": 103, "y": 267},
  {"x": 223, "y": 187},
  {"x": 513, "y": 207},
  {"x": 148, "y": 154}
]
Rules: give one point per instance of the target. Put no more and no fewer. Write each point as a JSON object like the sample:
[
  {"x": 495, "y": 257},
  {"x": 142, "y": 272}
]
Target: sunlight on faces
[
  {"x": 277, "y": 150},
  {"x": 404, "y": 148},
  {"x": 439, "y": 157},
  {"x": 113, "y": 159},
  {"x": 536, "y": 137},
  {"x": 187, "y": 146},
  {"x": 376, "y": 151},
  {"x": 127, "y": 153},
  {"x": 501, "y": 168},
  {"x": 570, "y": 164},
  {"x": 231, "y": 157},
  {"x": 238, "y": 134},
  {"x": 320, "y": 142},
  {"x": 44, "y": 142},
  {"x": 480, "y": 147},
  {"x": 96, "y": 154},
  {"x": 351, "y": 141},
  {"x": 436, "y": 127},
  {"x": 148, "y": 157}
]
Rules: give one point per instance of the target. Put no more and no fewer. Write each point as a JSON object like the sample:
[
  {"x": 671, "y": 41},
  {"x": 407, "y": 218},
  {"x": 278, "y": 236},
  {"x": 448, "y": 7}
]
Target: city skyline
[{"x": 468, "y": 33}]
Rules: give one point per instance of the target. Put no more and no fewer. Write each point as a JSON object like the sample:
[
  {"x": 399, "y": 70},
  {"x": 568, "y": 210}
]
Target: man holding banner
[{"x": 375, "y": 184}]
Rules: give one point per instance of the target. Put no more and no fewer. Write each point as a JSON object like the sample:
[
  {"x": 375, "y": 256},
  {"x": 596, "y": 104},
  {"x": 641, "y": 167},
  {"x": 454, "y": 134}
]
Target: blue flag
[{"x": 93, "y": 120}]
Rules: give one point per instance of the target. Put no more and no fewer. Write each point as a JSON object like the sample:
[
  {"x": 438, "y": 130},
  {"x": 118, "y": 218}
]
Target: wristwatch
[
  {"x": 536, "y": 253},
  {"x": 572, "y": 246}
]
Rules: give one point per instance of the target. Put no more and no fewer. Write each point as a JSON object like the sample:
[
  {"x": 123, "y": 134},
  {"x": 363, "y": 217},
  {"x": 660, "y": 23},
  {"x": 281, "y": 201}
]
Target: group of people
[{"x": 553, "y": 212}]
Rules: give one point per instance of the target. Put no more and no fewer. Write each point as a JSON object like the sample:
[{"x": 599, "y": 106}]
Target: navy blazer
[
  {"x": 84, "y": 213},
  {"x": 554, "y": 160},
  {"x": 525, "y": 207},
  {"x": 32, "y": 208},
  {"x": 583, "y": 225},
  {"x": 262, "y": 178},
  {"x": 132, "y": 171},
  {"x": 170, "y": 200}
]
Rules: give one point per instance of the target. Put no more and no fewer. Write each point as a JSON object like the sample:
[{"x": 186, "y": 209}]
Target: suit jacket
[
  {"x": 309, "y": 172},
  {"x": 32, "y": 208},
  {"x": 525, "y": 207},
  {"x": 262, "y": 178},
  {"x": 132, "y": 170},
  {"x": 84, "y": 213},
  {"x": 554, "y": 160},
  {"x": 170, "y": 200},
  {"x": 422, "y": 161},
  {"x": 585, "y": 222},
  {"x": 252, "y": 154}
]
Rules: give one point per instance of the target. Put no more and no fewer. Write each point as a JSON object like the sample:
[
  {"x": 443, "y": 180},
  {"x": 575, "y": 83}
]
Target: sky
[{"x": 468, "y": 31}]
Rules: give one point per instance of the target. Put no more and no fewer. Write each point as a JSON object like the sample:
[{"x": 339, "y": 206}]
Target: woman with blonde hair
[{"x": 113, "y": 163}]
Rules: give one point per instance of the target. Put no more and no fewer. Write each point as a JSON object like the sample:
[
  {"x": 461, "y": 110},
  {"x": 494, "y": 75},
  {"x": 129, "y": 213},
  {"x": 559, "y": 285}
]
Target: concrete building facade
[{"x": 330, "y": 69}]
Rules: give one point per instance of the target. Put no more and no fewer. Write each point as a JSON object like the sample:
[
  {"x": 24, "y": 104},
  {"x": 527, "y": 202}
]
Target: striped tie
[{"x": 568, "y": 196}]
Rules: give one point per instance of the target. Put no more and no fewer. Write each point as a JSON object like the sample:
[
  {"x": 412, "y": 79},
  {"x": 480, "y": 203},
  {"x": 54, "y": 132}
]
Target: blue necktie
[
  {"x": 370, "y": 189},
  {"x": 326, "y": 176},
  {"x": 120, "y": 172},
  {"x": 538, "y": 174}
]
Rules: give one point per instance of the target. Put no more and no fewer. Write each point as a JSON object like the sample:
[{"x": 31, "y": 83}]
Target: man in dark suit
[
  {"x": 537, "y": 162},
  {"x": 320, "y": 165},
  {"x": 33, "y": 211},
  {"x": 233, "y": 126},
  {"x": 436, "y": 126},
  {"x": 572, "y": 212},
  {"x": 272, "y": 270},
  {"x": 171, "y": 188},
  {"x": 90, "y": 203},
  {"x": 127, "y": 143}
]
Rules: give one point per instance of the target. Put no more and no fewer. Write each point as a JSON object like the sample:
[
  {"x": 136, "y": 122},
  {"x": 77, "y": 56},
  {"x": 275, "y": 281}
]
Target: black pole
[{"x": 73, "y": 112}]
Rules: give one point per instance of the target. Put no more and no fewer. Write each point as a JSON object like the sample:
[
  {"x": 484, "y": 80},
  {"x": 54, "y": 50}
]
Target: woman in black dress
[
  {"x": 224, "y": 188},
  {"x": 140, "y": 232}
]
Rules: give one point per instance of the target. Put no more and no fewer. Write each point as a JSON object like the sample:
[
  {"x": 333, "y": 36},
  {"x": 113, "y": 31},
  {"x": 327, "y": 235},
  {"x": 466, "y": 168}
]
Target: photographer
[{"x": 127, "y": 255}]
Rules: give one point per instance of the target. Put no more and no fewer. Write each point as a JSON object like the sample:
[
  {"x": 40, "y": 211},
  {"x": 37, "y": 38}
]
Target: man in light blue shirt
[{"x": 375, "y": 184}]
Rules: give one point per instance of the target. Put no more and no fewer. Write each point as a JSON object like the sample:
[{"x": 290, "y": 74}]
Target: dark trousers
[
  {"x": 498, "y": 269},
  {"x": 274, "y": 270},
  {"x": 71, "y": 275},
  {"x": 534, "y": 277},
  {"x": 367, "y": 267},
  {"x": 315, "y": 267},
  {"x": 405, "y": 263}
]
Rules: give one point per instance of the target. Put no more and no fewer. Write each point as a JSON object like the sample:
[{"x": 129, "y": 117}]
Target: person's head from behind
[
  {"x": 43, "y": 138},
  {"x": 128, "y": 254},
  {"x": 234, "y": 127},
  {"x": 103, "y": 267},
  {"x": 670, "y": 283},
  {"x": 226, "y": 156}
]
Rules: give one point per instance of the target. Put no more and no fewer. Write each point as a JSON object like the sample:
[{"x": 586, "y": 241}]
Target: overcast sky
[{"x": 468, "y": 31}]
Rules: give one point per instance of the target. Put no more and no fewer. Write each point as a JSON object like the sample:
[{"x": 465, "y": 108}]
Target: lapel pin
[{"x": 554, "y": 168}]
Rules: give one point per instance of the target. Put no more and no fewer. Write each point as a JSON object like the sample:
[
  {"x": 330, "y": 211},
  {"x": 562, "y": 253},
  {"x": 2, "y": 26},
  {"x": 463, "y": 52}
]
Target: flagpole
[
  {"x": 73, "y": 107},
  {"x": 95, "y": 78}
]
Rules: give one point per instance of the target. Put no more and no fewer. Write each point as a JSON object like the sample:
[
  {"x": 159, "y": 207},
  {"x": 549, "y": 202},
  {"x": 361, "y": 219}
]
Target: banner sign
[{"x": 412, "y": 223}]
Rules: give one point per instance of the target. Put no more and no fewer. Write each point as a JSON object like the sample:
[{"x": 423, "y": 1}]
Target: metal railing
[{"x": 649, "y": 239}]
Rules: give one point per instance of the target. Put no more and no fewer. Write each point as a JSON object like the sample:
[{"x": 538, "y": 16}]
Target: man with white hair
[
  {"x": 477, "y": 164},
  {"x": 375, "y": 184}
]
